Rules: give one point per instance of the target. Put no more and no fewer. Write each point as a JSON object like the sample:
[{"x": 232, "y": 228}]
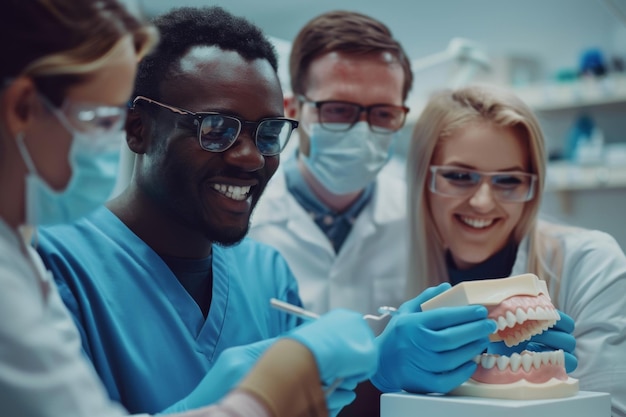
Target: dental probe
[
  {"x": 292, "y": 309},
  {"x": 383, "y": 311}
]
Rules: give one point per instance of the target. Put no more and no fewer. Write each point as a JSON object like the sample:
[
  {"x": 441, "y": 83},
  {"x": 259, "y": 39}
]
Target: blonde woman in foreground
[{"x": 476, "y": 171}]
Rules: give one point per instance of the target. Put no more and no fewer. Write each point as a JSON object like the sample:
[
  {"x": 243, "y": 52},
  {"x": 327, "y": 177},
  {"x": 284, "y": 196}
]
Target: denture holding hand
[
  {"x": 534, "y": 355},
  {"x": 431, "y": 351}
]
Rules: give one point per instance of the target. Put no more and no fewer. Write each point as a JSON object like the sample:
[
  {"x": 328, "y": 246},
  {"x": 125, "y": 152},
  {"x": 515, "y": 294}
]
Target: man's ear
[
  {"x": 17, "y": 101},
  {"x": 136, "y": 132},
  {"x": 292, "y": 107}
]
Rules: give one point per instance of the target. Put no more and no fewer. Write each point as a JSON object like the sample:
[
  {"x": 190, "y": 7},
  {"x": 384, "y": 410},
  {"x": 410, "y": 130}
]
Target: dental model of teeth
[
  {"x": 522, "y": 308},
  {"x": 519, "y": 305}
]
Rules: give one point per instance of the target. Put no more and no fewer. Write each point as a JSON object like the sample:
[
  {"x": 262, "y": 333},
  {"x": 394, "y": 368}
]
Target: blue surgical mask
[
  {"x": 347, "y": 161},
  {"x": 94, "y": 159}
]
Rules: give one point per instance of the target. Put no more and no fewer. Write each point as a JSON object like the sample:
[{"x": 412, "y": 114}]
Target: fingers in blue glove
[
  {"x": 339, "y": 399},
  {"x": 449, "y": 318},
  {"x": 432, "y": 351},
  {"x": 565, "y": 323},
  {"x": 440, "y": 382},
  {"x": 571, "y": 362},
  {"x": 555, "y": 340},
  {"x": 342, "y": 344},
  {"x": 414, "y": 305}
]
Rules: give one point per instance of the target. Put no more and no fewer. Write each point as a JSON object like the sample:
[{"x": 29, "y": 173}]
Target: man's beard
[{"x": 227, "y": 236}]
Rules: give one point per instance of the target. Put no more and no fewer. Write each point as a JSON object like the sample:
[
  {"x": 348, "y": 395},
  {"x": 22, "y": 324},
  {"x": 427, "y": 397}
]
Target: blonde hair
[{"x": 445, "y": 112}]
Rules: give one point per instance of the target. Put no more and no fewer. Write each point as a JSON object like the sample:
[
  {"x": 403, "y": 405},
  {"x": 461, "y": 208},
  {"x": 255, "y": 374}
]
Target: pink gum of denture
[{"x": 501, "y": 296}]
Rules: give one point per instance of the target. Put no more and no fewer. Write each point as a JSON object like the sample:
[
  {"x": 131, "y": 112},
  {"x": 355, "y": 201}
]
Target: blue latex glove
[
  {"x": 431, "y": 351},
  {"x": 557, "y": 337},
  {"x": 343, "y": 346},
  {"x": 229, "y": 369}
]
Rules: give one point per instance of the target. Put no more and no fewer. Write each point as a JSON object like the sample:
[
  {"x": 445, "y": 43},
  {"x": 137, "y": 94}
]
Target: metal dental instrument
[
  {"x": 383, "y": 311},
  {"x": 292, "y": 309}
]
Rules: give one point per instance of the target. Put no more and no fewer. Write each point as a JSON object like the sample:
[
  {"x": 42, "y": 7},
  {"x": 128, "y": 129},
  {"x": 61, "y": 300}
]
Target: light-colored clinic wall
[{"x": 550, "y": 34}]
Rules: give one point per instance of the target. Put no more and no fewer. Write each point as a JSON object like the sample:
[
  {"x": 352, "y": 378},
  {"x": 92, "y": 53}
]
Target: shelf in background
[
  {"x": 572, "y": 95},
  {"x": 566, "y": 176}
]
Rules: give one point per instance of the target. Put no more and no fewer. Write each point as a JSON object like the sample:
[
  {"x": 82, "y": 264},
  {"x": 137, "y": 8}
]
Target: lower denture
[{"x": 495, "y": 375}]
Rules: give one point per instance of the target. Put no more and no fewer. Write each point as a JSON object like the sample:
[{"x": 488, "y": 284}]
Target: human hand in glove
[
  {"x": 431, "y": 351},
  {"x": 229, "y": 369},
  {"x": 557, "y": 337},
  {"x": 344, "y": 349},
  {"x": 315, "y": 367}
]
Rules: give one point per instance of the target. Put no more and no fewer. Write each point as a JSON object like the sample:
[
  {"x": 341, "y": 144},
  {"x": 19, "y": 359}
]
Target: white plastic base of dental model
[
  {"x": 519, "y": 390},
  {"x": 488, "y": 292}
]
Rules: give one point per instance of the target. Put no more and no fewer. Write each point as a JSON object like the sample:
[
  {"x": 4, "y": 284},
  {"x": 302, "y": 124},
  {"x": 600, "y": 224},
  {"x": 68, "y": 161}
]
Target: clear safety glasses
[
  {"x": 88, "y": 118},
  {"x": 217, "y": 132},
  {"x": 342, "y": 115},
  {"x": 508, "y": 187}
]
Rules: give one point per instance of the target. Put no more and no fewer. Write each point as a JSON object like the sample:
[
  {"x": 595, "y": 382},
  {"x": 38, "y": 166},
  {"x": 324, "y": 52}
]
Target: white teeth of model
[
  {"x": 541, "y": 313},
  {"x": 516, "y": 360},
  {"x": 477, "y": 359},
  {"x": 545, "y": 359},
  {"x": 560, "y": 357},
  {"x": 502, "y": 323},
  {"x": 488, "y": 361},
  {"x": 554, "y": 357},
  {"x": 521, "y": 316},
  {"x": 536, "y": 360},
  {"x": 527, "y": 362},
  {"x": 511, "y": 320},
  {"x": 502, "y": 362},
  {"x": 476, "y": 223}
]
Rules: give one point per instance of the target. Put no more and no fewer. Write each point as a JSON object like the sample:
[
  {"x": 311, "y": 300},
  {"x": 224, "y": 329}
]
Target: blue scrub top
[{"x": 144, "y": 333}]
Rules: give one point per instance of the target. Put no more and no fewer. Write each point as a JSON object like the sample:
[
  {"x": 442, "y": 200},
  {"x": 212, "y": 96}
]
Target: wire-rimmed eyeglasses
[
  {"x": 217, "y": 132},
  {"x": 340, "y": 116},
  {"x": 509, "y": 187}
]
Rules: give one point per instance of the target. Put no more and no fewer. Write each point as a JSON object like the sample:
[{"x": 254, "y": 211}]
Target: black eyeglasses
[
  {"x": 342, "y": 115},
  {"x": 217, "y": 132}
]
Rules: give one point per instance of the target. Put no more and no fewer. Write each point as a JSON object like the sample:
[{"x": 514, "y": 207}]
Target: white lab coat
[
  {"x": 42, "y": 369},
  {"x": 371, "y": 267},
  {"x": 593, "y": 293}
]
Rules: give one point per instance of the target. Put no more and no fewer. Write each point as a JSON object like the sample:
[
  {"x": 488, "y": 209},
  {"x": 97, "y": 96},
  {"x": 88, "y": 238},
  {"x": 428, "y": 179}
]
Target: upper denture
[{"x": 520, "y": 317}]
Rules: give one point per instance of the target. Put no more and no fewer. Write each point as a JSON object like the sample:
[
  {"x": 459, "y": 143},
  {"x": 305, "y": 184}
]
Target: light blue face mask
[
  {"x": 94, "y": 159},
  {"x": 347, "y": 161}
]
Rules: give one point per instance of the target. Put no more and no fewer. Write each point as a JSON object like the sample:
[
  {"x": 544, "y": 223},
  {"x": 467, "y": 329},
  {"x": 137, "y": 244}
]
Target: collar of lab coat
[{"x": 388, "y": 201}]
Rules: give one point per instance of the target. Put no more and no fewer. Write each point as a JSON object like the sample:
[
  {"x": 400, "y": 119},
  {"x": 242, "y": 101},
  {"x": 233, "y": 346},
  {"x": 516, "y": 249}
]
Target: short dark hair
[
  {"x": 186, "y": 27},
  {"x": 348, "y": 32}
]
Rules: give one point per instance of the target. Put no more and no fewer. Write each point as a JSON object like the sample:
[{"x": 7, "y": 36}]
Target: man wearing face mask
[{"x": 338, "y": 220}]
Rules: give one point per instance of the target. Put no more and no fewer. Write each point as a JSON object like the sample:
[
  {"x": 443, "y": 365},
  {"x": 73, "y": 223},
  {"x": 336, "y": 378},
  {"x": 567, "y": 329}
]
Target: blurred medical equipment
[{"x": 469, "y": 55}]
